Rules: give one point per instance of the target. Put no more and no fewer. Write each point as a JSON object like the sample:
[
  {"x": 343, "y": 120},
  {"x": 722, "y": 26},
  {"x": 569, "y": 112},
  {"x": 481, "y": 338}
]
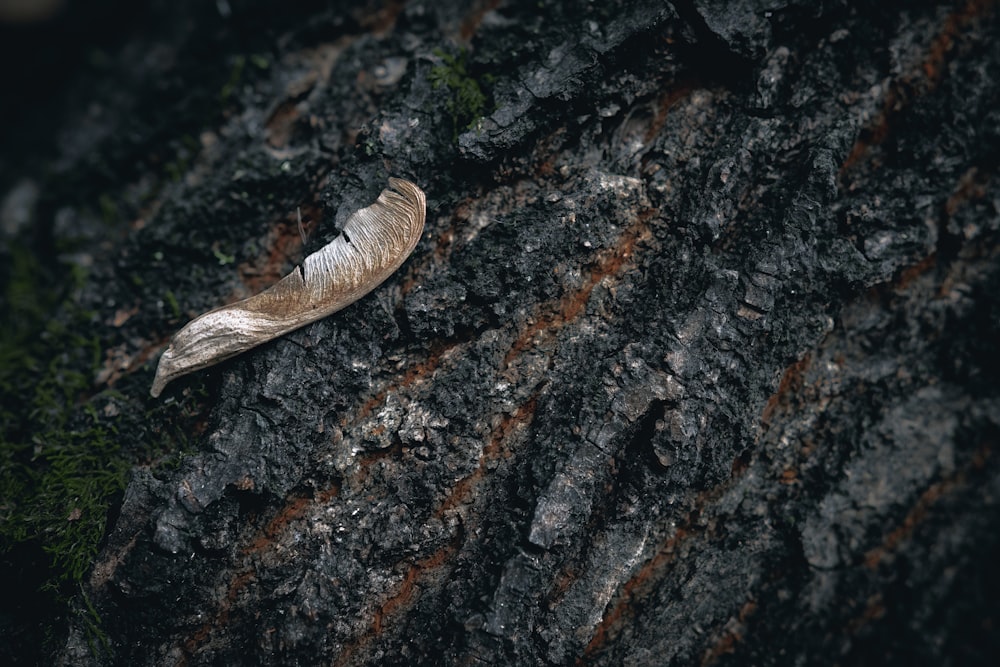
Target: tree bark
[{"x": 695, "y": 362}]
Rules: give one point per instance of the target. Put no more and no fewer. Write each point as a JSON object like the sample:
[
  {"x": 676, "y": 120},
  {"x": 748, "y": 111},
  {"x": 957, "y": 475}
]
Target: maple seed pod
[{"x": 374, "y": 243}]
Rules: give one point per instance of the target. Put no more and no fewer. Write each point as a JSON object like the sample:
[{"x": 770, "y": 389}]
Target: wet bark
[{"x": 695, "y": 362}]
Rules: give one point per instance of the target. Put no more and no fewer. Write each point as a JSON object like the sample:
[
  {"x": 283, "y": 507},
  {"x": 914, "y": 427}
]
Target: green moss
[
  {"x": 59, "y": 462},
  {"x": 175, "y": 308},
  {"x": 97, "y": 640},
  {"x": 224, "y": 258},
  {"x": 260, "y": 61},
  {"x": 466, "y": 100},
  {"x": 82, "y": 468}
]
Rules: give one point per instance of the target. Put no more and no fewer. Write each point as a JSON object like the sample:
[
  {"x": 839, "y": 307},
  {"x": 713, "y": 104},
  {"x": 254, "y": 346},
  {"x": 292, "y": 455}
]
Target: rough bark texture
[{"x": 696, "y": 362}]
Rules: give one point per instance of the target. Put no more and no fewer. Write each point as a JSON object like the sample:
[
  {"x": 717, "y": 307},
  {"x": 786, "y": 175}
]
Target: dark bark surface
[{"x": 695, "y": 363}]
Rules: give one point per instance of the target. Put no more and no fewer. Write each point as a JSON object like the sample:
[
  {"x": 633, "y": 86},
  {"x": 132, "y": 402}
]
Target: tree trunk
[{"x": 695, "y": 362}]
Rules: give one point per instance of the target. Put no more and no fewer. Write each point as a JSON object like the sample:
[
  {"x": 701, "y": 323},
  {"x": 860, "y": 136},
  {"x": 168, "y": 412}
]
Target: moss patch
[
  {"x": 59, "y": 461},
  {"x": 466, "y": 100}
]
